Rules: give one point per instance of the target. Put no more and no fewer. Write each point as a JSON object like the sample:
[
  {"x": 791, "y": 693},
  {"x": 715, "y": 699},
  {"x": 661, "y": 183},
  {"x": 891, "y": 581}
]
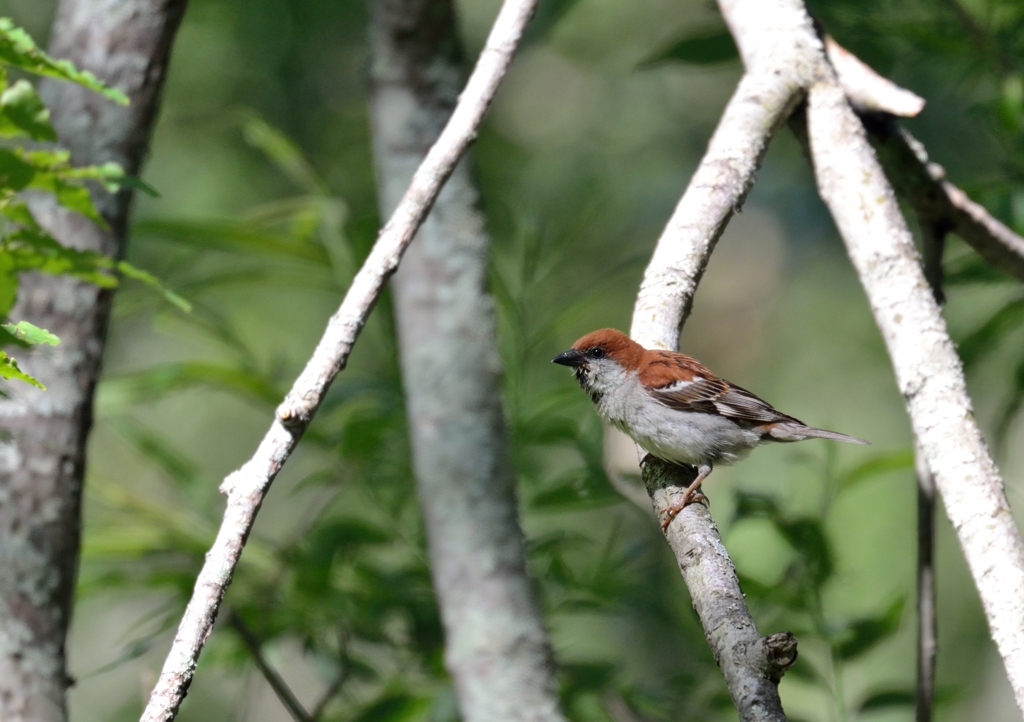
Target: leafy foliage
[
  {"x": 346, "y": 579},
  {"x": 798, "y": 599},
  {"x": 24, "y": 244},
  {"x": 18, "y": 50},
  {"x": 349, "y": 582}
]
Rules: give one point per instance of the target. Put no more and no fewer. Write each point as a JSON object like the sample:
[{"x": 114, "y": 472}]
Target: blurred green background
[{"x": 262, "y": 157}]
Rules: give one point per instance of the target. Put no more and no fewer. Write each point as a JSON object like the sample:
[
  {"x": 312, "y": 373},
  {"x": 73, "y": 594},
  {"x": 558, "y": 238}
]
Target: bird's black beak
[{"x": 572, "y": 357}]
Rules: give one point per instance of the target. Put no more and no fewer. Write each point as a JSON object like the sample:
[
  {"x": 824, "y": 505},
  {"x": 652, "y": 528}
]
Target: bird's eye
[{"x": 596, "y": 352}]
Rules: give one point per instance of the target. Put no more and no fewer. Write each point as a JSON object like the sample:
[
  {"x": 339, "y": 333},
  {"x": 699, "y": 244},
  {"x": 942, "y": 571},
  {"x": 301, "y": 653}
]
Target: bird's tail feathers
[{"x": 793, "y": 432}]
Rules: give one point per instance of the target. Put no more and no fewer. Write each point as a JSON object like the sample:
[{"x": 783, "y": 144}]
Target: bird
[{"x": 676, "y": 409}]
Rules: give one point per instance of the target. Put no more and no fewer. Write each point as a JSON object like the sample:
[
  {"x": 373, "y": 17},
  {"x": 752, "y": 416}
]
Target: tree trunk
[
  {"x": 126, "y": 43},
  {"x": 496, "y": 647}
]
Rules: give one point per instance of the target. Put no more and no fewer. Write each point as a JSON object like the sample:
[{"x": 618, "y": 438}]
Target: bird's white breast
[{"x": 686, "y": 437}]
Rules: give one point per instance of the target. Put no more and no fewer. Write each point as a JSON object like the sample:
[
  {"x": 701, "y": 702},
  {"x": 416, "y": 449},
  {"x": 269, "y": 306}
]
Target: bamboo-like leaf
[
  {"x": 9, "y": 370},
  {"x": 153, "y": 282},
  {"x": 880, "y": 464},
  {"x": 863, "y": 634},
  {"x": 231, "y": 237},
  {"x": 19, "y": 50},
  {"x": 30, "y": 333},
  {"x": 281, "y": 151},
  {"x": 22, "y": 113}
]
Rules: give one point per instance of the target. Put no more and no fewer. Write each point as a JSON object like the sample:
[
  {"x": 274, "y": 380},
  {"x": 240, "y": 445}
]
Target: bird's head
[{"x": 602, "y": 360}]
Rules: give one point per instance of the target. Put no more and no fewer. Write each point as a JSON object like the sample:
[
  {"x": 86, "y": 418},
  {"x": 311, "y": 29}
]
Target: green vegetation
[{"x": 264, "y": 217}]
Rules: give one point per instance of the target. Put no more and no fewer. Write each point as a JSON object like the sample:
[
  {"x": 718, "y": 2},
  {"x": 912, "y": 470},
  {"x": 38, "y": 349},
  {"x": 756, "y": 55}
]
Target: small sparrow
[{"x": 675, "y": 408}]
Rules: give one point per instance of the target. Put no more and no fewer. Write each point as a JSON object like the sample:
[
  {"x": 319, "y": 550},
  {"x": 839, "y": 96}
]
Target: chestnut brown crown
[{"x": 603, "y": 343}]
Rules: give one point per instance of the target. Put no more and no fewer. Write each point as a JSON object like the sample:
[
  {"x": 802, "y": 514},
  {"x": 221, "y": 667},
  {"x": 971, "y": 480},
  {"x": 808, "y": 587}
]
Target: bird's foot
[{"x": 690, "y": 496}]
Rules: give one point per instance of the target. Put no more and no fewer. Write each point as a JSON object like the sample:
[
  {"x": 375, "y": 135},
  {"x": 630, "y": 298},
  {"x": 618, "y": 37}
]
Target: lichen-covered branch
[
  {"x": 752, "y": 665},
  {"x": 126, "y": 43},
  {"x": 247, "y": 487},
  {"x": 867, "y": 90},
  {"x": 496, "y": 648},
  {"x": 778, "y": 46},
  {"x": 777, "y": 73},
  {"x": 928, "y": 371}
]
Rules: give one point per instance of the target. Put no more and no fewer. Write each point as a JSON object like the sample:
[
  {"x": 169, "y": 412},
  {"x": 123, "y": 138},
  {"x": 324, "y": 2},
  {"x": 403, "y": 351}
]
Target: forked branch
[
  {"x": 785, "y": 58},
  {"x": 247, "y": 487}
]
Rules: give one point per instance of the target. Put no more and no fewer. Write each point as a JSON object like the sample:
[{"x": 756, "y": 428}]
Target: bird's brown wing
[{"x": 718, "y": 396}]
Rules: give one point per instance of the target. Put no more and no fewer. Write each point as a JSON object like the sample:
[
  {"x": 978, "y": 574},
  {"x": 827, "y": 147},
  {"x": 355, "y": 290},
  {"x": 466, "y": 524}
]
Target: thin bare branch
[
  {"x": 329, "y": 694},
  {"x": 247, "y": 487},
  {"x": 280, "y": 687},
  {"x": 928, "y": 371},
  {"x": 927, "y": 629}
]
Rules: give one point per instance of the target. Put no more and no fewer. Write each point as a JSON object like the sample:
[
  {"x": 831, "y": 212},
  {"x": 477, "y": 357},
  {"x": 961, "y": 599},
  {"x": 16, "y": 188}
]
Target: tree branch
[
  {"x": 940, "y": 206},
  {"x": 775, "y": 39},
  {"x": 496, "y": 648},
  {"x": 927, "y": 628},
  {"x": 43, "y": 454},
  {"x": 928, "y": 372},
  {"x": 867, "y": 90},
  {"x": 938, "y": 203},
  {"x": 752, "y": 665},
  {"x": 247, "y": 487},
  {"x": 280, "y": 687},
  {"x": 777, "y": 73}
]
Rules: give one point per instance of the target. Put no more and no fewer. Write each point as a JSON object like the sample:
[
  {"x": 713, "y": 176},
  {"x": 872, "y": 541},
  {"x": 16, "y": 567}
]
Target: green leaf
[
  {"x": 71, "y": 195},
  {"x": 863, "y": 634},
  {"x": 156, "y": 382},
  {"x": 706, "y": 49},
  {"x": 31, "y": 334},
  {"x": 880, "y": 464},
  {"x": 282, "y": 152},
  {"x": 8, "y": 282},
  {"x": 157, "y": 449},
  {"x": 905, "y": 697},
  {"x": 135, "y": 183},
  {"x": 22, "y": 113},
  {"x": 807, "y": 537},
  {"x": 579, "y": 678},
  {"x": 19, "y": 50},
  {"x": 394, "y": 707},
  {"x": 888, "y": 698},
  {"x": 113, "y": 178},
  {"x": 9, "y": 370},
  {"x": 232, "y": 237},
  {"x": 15, "y": 173},
  {"x": 152, "y": 281},
  {"x": 31, "y": 249}
]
